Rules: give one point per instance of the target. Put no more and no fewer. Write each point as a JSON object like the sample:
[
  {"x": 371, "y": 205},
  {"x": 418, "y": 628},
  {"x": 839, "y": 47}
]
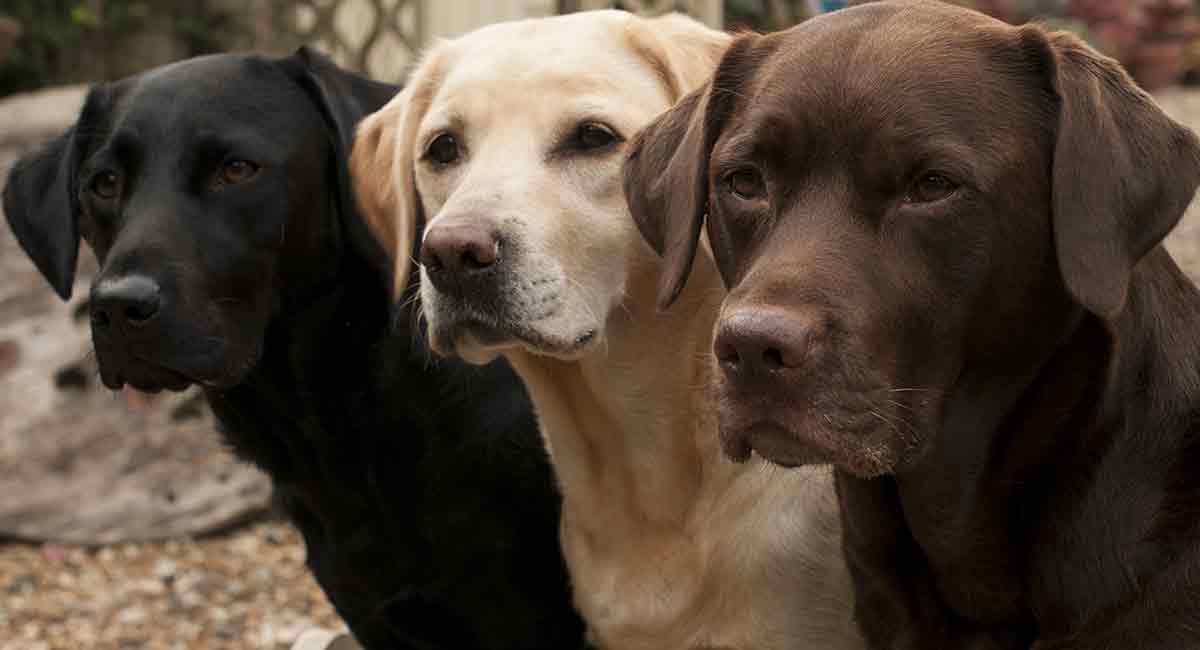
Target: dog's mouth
[
  {"x": 849, "y": 432},
  {"x": 217, "y": 368},
  {"x": 146, "y": 377},
  {"x": 479, "y": 338},
  {"x": 479, "y": 327}
]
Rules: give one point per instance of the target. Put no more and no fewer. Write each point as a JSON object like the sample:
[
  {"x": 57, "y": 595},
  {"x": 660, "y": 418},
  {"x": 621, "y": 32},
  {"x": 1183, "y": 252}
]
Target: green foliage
[
  {"x": 764, "y": 15},
  {"x": 71, "y": 41}
]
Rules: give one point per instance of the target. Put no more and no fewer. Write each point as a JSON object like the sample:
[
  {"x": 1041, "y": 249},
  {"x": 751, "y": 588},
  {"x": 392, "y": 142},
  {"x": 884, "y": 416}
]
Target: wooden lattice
[
  {"x": 382, "y": 37},
  {"x": 708, "y": 11},
  {"x": 378, "y": 37}
]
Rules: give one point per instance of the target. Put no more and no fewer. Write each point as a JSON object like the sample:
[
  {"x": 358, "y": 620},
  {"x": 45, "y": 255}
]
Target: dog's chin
[
  {"x": 148, "y": 376},
  {"x": 479, "y": 342},
  {"x": 145, "y": 377},
  {"x": 794, "y": 438}
]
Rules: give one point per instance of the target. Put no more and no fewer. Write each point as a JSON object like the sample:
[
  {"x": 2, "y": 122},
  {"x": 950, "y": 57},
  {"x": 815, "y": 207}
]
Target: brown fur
[{"x": 941, "y": 236}]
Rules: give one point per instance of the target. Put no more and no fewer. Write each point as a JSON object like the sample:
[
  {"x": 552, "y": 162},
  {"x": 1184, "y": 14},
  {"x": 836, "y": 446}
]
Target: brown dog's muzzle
[
  {"x": 765, "y": 353},
  {"x": 806, "y": 376},
  {"x": 761, "y": 345}
]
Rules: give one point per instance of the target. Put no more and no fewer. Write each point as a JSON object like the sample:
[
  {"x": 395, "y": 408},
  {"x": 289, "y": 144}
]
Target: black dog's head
[{"x": 213, "y": 192}]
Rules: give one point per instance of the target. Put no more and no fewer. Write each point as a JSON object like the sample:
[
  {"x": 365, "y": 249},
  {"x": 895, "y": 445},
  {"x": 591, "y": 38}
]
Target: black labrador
[
  {"x": 215, "y": 194},
  {"x": 941, "y": 236}
]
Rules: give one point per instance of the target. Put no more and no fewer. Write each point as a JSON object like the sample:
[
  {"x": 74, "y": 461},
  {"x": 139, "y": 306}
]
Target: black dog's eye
[
  {"x": 593, "y": 135},
  {"x": 931, "y": 188},
  {"x": 746, "y": 184},
  {"x": 443, "y": 150},
  {"x": 105, "y": 185},
  {"x": 236, "y": 171}
]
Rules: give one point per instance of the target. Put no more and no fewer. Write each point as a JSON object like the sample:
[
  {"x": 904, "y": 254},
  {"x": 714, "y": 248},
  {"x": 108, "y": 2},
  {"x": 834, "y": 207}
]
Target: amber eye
[
  {"x": 236, "y": 171},
  {"x": 931, "y": 188},
  {"x": 746, "y": 184},
  {"x": 106, "y": 185},
  {"x": 443, "y": 150},
  {"x": 591, "y": 135}
]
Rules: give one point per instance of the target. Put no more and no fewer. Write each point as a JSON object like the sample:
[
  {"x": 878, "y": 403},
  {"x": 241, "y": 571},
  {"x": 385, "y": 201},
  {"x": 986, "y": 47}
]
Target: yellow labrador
[{"x": 507, "y": 146}]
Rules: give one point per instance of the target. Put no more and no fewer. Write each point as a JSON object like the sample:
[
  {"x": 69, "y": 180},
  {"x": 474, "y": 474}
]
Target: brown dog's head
[{"x": 898, "y": 195}]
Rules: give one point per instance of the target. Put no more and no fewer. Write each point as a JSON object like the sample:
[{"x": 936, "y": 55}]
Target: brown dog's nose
[
  {"x": 754, "y": 343},
  {"x": 127, "y": 301},
  {"x": 459, "y": 249}
]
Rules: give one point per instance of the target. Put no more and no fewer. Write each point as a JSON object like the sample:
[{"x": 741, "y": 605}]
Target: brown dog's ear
[
  {"x": 382, "y": 164},
  {"x": 666, "y": 186},
  {"x": 1123, "y": 174},
  {"x": 666, "y": 171}
]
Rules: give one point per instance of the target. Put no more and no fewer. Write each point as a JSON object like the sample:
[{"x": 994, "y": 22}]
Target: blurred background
[{"x": 124, "y": 523}]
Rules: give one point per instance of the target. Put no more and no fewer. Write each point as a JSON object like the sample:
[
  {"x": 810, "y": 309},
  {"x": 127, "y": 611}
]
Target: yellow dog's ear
[
  {"x": 382, "y": 163},
  {"x": 683, "y": 51}
]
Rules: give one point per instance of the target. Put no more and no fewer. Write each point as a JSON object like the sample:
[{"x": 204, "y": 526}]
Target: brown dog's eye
[
  {"x": 106, "y": 185},
  {"x": 746, "y": 184},
  {"x": 236, "y": 171},
  {"x": 592, "y": 135},
  {"x": 930, "y": 188},
  {"x": 443, "y": 150}
]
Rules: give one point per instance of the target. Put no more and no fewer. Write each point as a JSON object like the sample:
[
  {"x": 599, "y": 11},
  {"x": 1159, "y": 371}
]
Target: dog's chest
[
  {"x": 759, "y": 570},
  {"x": 636, "y": 592}
]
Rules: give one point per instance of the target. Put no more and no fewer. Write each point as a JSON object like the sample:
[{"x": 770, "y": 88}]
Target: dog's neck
[
  {"x": 627, "y": 425},
  {"x": 668, "y": 541},
  {"x": 316, "y": 344},
  {"x": 979, "y": 503}
]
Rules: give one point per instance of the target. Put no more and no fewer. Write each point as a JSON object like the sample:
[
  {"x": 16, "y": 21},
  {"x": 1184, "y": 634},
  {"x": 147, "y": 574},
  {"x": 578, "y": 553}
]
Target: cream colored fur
[{"x": 669, "y": 544}]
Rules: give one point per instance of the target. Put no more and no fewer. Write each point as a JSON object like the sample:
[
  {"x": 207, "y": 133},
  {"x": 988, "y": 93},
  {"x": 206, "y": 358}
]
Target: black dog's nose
[
  {"x": 131, "y": 300},
  {"x": 751, "y": 343},
  {"x": 459, "y": 249}
]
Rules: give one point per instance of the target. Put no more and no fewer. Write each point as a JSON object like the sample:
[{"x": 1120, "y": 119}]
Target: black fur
[{"x": 421, "y": 487}]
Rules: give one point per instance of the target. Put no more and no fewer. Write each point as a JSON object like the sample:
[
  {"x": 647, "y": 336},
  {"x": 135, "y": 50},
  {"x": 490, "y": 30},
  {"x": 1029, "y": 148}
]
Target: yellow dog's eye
[
  {"x": 592, "y": 135},
  {"x": 236, "y": 171},
  {"x": 443, "y": 150}
]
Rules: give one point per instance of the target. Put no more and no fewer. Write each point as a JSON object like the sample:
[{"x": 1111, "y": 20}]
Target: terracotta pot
[
  {"x": 10, "y": 30},
  {"x": 1158, "y": 64}
]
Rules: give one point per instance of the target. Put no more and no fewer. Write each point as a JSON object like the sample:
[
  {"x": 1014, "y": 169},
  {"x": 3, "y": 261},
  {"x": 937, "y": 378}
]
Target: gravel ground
[{"x": 244, "y": 589}]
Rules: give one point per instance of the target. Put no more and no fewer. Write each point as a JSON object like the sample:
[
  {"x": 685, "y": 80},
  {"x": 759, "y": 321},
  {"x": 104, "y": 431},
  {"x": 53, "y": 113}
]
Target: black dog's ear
[
  {"x": 41, "y": 206},
  {"x": 1123, "y": 173},
  {"x": 343, "y": 99},
  {"x": 666, "y": 170}
]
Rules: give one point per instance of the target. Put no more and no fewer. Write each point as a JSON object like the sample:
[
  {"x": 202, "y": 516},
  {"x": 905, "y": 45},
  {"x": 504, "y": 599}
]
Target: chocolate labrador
[
  {"x": 216, "y": 197},
  {"x": 941, "y": 239}
]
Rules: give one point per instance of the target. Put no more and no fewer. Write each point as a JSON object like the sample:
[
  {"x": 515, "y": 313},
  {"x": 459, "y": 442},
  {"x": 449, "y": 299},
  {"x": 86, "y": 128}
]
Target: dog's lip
[
  {"x": 152, "y": 378},
  {"x": 773, "y": 442},
  {"x": 149, "y": 374},
  {"x": 488, "y": 335}
]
